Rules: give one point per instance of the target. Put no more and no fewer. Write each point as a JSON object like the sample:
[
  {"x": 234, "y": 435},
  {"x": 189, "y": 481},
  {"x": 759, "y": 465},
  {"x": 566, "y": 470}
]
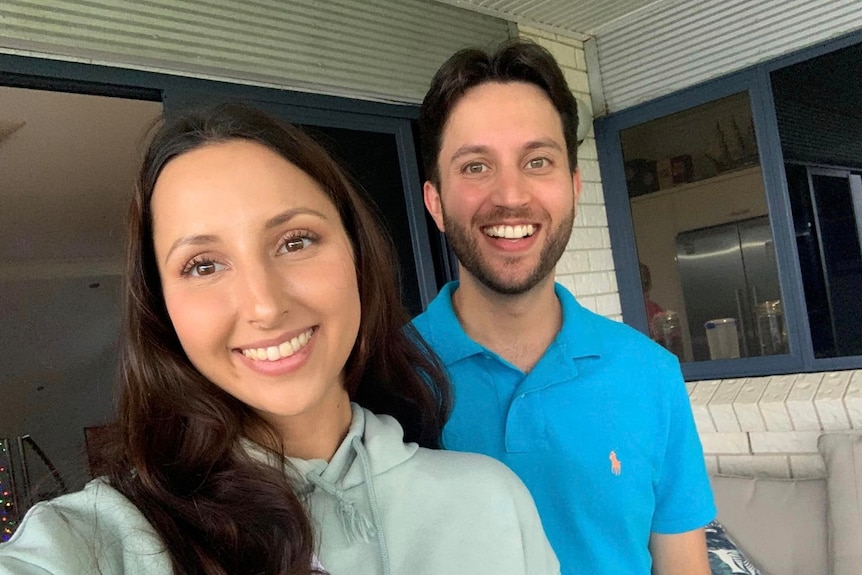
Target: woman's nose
[{"x": 265, "y": 297}]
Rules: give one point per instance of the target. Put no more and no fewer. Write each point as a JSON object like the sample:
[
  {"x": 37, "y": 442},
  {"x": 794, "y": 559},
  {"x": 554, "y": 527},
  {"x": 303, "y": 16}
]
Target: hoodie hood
[
  {"x": 382, "y": 438},
  {"x": 374, "y": 444}
]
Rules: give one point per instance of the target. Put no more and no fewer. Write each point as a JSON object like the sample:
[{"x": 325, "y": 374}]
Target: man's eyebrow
[
  {"x": 468, "y": 150},
  {"x": 529, "y": 146},
  {"x": 543, "y": 143}
]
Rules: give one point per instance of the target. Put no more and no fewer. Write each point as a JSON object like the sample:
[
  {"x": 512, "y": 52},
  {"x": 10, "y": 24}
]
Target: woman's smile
[{"x": 274, "y": 352}]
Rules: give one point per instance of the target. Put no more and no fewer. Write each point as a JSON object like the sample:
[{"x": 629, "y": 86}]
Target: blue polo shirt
[{"x": 600, "y": 431}]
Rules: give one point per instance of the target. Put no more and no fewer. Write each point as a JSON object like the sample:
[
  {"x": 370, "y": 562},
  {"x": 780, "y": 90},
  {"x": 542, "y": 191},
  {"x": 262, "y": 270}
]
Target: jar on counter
[
  {"x": 667, "y": 331},
  {"x": 771, "y": 331}
]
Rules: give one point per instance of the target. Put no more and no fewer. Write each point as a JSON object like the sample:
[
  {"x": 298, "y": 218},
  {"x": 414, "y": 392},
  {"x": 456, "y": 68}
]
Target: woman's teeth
[
  {"x": 276, "y": 352},
  {"x": 510, "y": 232}
]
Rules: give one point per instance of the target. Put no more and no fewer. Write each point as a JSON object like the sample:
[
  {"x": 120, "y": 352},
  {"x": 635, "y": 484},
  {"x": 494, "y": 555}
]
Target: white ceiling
[
  {"x": 577, "y": 18},
  {"x": 67, "y": 176}
]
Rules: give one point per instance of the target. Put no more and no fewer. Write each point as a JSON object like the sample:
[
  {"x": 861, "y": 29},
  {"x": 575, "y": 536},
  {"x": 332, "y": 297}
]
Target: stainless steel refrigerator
[{"x": 725, "y": 271}]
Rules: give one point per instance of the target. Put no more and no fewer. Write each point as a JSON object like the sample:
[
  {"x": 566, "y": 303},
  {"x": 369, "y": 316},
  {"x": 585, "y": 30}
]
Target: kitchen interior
[{"x": 702, "y": 225}]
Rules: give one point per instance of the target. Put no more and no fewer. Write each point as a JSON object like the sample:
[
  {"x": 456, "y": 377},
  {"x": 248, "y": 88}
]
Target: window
[
  {"x": 735, "y": 210},
  {"x": 701, "y": 223},
  {"x": 818, "y": 105}
]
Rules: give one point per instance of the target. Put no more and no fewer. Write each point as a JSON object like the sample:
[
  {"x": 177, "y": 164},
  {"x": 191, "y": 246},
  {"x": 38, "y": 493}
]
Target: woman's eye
[
  {"x": 296, "y": 244},
  {"x": 203, "y": 268},
  {"x": 537, "y": 163},
  {"x": 475, "y": 168}
]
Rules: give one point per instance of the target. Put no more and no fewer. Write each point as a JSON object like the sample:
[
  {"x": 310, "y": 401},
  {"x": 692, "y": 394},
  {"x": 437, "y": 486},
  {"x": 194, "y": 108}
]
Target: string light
[{"x": 8, "y": 520}]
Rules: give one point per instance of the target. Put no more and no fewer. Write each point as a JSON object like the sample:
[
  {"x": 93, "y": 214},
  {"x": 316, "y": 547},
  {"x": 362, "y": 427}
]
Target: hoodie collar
[
  {"x": 382, "y": 438},
  {"x": 374, "y": 444}
]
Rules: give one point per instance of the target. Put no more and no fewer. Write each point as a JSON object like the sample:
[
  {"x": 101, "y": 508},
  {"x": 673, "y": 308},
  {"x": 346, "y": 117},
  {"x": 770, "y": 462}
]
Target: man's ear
[
  {"x": 576, "y": 184},
  {"x": 433, "y": 204}
]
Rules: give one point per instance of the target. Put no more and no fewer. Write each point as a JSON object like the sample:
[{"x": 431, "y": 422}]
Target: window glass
[
  {"x": 372, "y": 158},
  {"x": 707, "y": 259},
  {"x": 818, "y": 104}
]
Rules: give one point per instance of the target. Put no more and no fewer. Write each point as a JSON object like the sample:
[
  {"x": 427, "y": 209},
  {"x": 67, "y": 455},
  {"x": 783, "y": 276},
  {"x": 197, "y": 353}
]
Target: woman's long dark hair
[{"x": 175, "y": 453}]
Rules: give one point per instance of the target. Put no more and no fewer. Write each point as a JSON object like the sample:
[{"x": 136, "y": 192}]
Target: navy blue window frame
[
  {"x": 176, "y": 92},
  {"x": 756, "y": 82}
]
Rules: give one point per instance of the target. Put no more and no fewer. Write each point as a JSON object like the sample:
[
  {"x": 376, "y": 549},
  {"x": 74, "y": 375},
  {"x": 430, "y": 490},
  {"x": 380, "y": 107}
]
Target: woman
[{"x": 262, "y": 311}]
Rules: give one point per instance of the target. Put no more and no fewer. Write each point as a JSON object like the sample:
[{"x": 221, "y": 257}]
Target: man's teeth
[
  {"x": 510, "y": 232},
  {"x": 275, "y": 352}
]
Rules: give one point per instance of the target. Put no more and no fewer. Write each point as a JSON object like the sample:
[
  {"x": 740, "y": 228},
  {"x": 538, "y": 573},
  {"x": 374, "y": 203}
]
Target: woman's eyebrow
[
  {"x": 193, "y": 240},
  {"x": 288, "y": 215},
  {"x": 273, "y": 222}
]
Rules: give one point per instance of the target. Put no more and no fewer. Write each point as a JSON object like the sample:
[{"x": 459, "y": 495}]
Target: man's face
[{"x": 506, "y": 199}]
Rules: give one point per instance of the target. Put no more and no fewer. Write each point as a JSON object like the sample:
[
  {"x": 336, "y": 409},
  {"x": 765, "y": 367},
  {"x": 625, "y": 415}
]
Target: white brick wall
[
  {"x": 587, "y": 267},
  {"x": 769, "y": 426},
  {"x": 763, "y": 426}
]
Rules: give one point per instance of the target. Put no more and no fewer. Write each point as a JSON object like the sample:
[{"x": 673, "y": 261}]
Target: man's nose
[{"x": 511, "y": 190}]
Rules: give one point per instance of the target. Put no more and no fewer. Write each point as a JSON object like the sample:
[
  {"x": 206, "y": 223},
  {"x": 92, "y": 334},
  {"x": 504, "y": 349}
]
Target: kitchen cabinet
[
  {"x": 720, "y": 200},
  {"x": 658, "y": 218}
]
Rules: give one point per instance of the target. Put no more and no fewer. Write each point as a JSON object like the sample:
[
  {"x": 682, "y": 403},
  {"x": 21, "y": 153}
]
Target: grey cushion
[
  {"x": 780, "y": 524},
  {"x": 843, "y": 456}
]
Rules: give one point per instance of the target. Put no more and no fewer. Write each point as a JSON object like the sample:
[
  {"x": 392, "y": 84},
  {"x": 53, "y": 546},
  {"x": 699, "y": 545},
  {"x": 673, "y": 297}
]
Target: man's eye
[
  {"x": 475, "y": 168},
  {"x": 537, "y": 163}
]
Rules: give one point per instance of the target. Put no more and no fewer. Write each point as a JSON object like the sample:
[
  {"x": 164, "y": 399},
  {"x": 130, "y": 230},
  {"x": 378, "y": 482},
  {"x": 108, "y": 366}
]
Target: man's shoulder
[
  {"x": 576, "y": 315},
  {"x": 423, "y": 321},
  {"x": 614, "y": 344},
  {"x": 438, "y": 316}
]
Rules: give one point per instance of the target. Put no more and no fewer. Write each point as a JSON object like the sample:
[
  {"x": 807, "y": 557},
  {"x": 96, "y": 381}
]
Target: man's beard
[{"x": 466, "y": 249}]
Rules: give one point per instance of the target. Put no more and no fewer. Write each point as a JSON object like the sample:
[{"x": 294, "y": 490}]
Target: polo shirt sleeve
[{"x": 683, "y": 494}]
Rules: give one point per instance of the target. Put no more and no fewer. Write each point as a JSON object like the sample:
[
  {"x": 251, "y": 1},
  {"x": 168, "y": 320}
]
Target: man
[{"x": 592, "y": 415}]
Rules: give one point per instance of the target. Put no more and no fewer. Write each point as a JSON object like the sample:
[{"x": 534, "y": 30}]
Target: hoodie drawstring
[
  {"x": 356, "y": 526},
  {"x": 359, "y": 447}
]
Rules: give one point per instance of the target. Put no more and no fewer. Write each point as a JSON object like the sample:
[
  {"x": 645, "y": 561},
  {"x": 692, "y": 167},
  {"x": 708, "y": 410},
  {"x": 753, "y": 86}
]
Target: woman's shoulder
[
  {"x": 98, "y": 506},
  {"x": 95, "y": 528},
  {"x": 480, "y": 508},
  {"x": 464, "y": 467}
]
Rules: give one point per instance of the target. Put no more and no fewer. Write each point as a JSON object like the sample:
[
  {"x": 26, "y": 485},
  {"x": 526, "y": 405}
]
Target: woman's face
[{"x": 259, "y": 279}]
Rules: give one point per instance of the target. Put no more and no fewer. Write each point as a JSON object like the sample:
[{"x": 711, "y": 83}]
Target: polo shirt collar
[
  {"x": 577, "y": 337},
  {"x": 449, "y": 340}
]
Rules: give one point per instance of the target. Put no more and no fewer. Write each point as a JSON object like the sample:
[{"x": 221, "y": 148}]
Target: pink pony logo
[{"x": 616, "y": 466}]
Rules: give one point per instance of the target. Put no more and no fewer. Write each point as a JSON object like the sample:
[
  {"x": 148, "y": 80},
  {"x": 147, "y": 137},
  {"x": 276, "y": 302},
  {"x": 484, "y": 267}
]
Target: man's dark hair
[{"x": 513, "y": 61}]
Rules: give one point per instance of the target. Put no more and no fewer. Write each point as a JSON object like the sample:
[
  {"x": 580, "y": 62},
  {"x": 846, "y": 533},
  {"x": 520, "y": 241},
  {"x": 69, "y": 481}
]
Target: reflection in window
[
  {"x": 819, "y": 108},
  {"x": 702, "y": 230}
]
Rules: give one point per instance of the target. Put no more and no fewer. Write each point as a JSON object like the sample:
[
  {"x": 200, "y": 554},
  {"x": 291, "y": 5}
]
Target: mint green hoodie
[{"x": 380, "y": 507}]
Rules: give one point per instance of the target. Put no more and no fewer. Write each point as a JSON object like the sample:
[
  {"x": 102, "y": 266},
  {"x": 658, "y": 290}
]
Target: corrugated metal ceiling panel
[
  {"x": 683, "y": 43},
  {"x": 577, "y": 19},
  {"x": 382, "y": 49}
]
